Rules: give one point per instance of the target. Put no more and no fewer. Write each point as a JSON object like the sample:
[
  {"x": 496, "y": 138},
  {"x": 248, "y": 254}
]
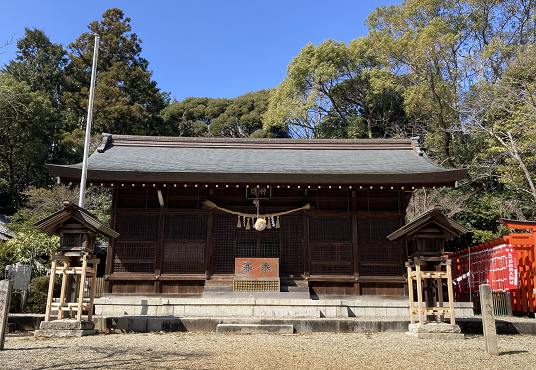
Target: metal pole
[{"x": 81, "y": 201}]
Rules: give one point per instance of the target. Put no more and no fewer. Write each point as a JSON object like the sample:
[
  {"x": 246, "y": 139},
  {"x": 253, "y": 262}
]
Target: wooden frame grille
[
  {"x": 135, "y": 248},
  {"x": 330, "y": 229},
  {"x": 331, "y": 258},
  {"x": 330, "y": 243},
  {"x": 291, "y": 236},
  {"x": 377, "y": 255},
  {"x": 224, "y": 244},
  {"x": 184, "y": 244}
]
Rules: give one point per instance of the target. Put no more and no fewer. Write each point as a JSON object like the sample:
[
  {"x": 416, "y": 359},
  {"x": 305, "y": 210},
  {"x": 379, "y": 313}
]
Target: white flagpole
[{"x": 81, "y": 201}]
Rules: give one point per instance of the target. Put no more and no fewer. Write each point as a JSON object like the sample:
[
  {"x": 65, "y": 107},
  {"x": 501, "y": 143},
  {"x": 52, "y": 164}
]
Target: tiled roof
[{"x": 141, "y": 158}]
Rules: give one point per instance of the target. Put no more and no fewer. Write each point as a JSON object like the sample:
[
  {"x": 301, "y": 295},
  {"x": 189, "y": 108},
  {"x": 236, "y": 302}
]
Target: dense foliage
[{"x": 458, "y": 74}]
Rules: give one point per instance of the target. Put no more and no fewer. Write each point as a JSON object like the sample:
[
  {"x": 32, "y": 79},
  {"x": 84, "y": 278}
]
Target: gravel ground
[{"x": 263, "y": 351}]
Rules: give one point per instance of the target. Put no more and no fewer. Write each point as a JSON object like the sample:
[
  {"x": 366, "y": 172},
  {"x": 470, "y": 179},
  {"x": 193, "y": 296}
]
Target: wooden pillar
[
  {"x": 92, "y": 290},
  {"x": 439, "y": 283},
  {"x": 50, "y": 290},
  {"x": 419, "y": 292},
  {"x": 63, "y": 288},
  {"x": 159, "y": 253},
  {"x": 410, "y": 292},
  {"x": 451, "y": 294},
  {"x": 81, "y": 290}
]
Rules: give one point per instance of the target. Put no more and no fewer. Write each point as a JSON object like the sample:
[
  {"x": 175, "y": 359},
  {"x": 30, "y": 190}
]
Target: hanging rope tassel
[
  {"x": 239, "y": 224},
  {"x": 247, "y": 224},
  {"x": 268, "y": 223},
  {"x": 277, "y": 225}
]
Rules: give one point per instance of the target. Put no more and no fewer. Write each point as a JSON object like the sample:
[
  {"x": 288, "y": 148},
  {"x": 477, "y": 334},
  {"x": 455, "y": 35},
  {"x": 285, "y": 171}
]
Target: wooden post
[
  {"x": 410, "y": 291},
  {"x": 92, "y": 290},
  {"x": 439, "y": 282},
  {"x": 81, "y": 291},
  {"x": 63, "y": 288},
  {"x": 50, "y": 290},
  {"x": 5, "y": 301},
  {"x": 419, "y": 291},
  {"x": 488, "y": 320},
  {"x": 451, "y": 293}
]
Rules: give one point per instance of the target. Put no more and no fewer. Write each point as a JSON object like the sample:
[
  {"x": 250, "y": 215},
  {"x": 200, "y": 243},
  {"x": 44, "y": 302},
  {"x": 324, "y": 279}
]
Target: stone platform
[
  {"x": 435, "y": 331},
  {"x": 65, "y": 328},
  {"x": 252, "y": 306}
]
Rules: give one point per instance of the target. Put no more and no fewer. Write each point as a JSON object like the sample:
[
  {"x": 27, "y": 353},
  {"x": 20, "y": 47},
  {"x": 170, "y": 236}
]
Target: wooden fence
[
  {"x": 99, "y": 287},
  {"x": 507, "y": 264}
]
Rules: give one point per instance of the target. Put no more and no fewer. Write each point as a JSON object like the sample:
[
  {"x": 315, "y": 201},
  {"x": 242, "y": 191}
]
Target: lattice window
[
  {"x": 331, "y": 259},
  {"x": 224, "y": 244},
  {"x": 131, "y": 250},
  {"x": 186, "y": 228},
  {"x": 137, "y": 227},
  {"x": 183, "y": 267},
  {"x": 376, "y": 229},
  {"x": 330, "y": 229},
  {"x": 269, "y": 249},
  {"x": 184, "y": 251},
  {"x": 377, "y": 255},
  {"x": 385, "y": 253},
  {"x": 246, "y": 249},
  {"x": 139, "y": 267},
  {"x": 291, "y": 233},
  {"x": 331, "y": 252},
  {"x": 134, "y": 257}
]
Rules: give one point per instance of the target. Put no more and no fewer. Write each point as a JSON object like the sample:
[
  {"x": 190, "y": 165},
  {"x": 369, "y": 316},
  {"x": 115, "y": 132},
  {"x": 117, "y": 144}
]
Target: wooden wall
[{"x": 339, "y": 245}]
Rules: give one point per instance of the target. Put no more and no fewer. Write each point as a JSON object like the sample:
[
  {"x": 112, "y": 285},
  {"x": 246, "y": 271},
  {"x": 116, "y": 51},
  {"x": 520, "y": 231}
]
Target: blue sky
[{"x": 217, "y": 49}]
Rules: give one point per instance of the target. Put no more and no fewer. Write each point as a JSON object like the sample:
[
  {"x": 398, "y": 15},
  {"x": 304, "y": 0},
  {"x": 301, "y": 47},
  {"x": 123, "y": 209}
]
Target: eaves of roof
[
  {"x": 70, "y": 210},
  {"x": 433, "y": 215},
  {"x": 142, "y": 158}
]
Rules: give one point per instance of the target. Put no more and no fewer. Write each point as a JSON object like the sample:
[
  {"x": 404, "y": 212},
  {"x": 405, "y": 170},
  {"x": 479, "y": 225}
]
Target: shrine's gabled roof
[
  {"x": 313, "y": 161},
  {"x": 451, "y": 228},
  {"x": 53, "y": 223}
]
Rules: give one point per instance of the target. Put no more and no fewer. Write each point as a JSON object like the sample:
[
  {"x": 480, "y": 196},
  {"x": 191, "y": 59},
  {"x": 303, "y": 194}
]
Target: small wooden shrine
[
  {"x": 77, "y": 229},
  {"x": 427, "y": 265}
]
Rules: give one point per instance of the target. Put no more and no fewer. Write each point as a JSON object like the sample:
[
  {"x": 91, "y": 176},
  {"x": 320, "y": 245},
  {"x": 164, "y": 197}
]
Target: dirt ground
[{"x": 263, "y": 351}]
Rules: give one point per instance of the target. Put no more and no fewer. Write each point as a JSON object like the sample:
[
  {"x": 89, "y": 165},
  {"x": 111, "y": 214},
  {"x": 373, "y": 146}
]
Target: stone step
[
  {"x": 217, "y": 289},
  {"x": 295, "y": 289},
  {"x": 63, "y": 333},
  {"x": 254, "y": 329},
  {"x": 268, "y": 295}
]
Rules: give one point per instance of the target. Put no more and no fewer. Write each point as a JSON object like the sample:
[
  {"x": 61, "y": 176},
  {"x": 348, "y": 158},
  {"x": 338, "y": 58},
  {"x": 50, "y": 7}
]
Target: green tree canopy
[
  {"x": 338, "y": 90},
  {"x": 127, "y": 100},
  {"x": 238, "y": 117},
  {"x": 23, "y": 142},
  {"x": 40, "y": 64}
]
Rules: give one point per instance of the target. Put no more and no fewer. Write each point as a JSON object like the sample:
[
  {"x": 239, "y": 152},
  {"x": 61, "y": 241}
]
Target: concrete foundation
[{"x": 254, "y": 329}]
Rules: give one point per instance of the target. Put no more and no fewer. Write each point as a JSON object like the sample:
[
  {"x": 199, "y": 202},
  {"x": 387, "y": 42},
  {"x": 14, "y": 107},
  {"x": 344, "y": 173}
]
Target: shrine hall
[{"x": 201, "y": 216}]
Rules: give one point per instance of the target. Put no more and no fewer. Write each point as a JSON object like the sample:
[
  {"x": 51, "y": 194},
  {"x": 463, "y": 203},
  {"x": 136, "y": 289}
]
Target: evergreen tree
[{"x": 127, "y": 100}]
